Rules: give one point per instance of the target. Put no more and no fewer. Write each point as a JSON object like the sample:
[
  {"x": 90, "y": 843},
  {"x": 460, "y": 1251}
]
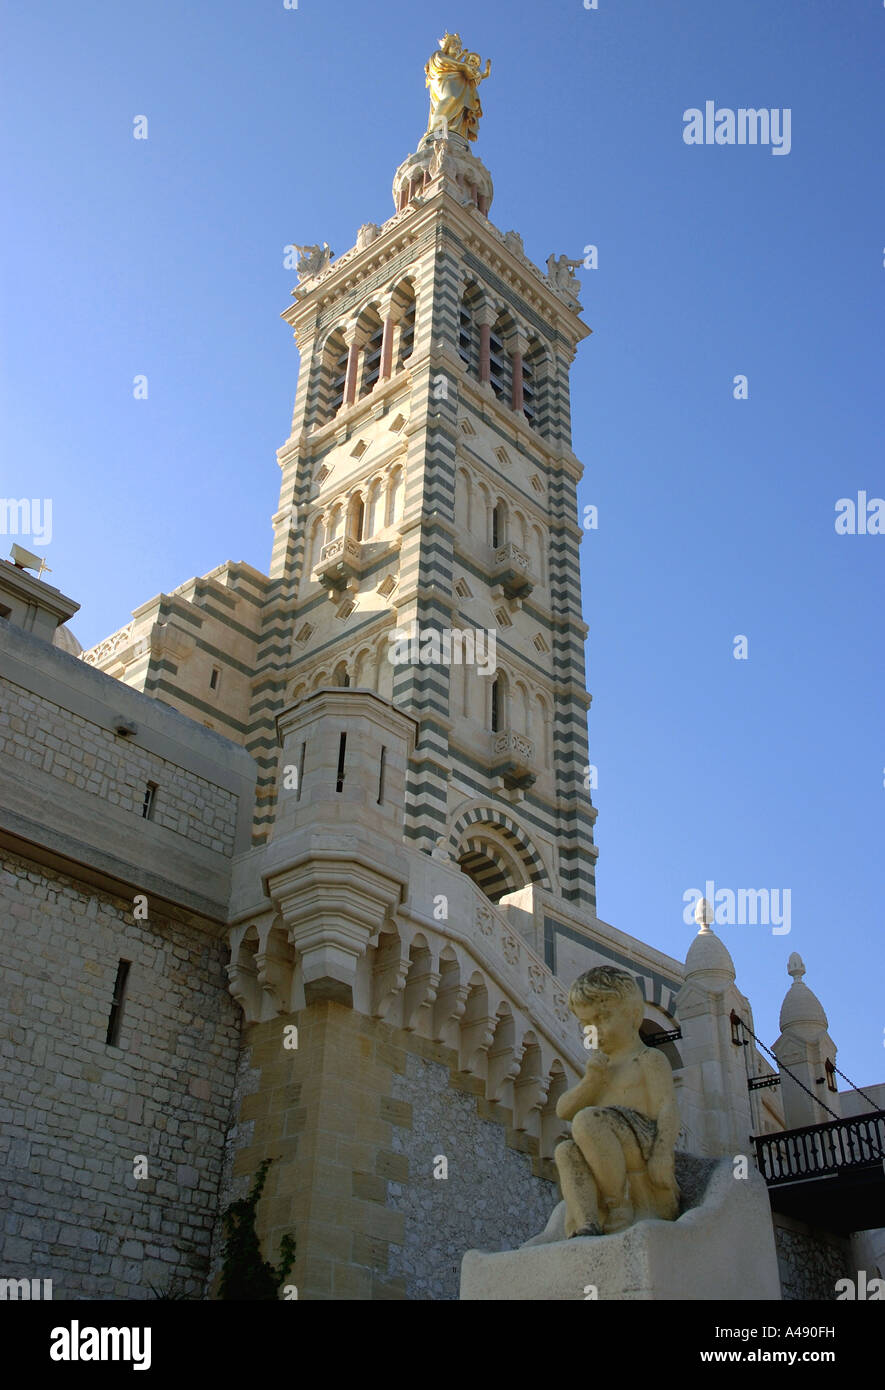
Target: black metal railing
[{"x": 821, "y": 1151}]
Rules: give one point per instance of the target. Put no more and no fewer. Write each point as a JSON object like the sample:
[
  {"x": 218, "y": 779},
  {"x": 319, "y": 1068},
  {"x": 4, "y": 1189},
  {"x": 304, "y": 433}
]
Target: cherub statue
[
  {"x": 453, "y": 76},
  {"x": 312, "y": 259},
  {"x": 618, "y": 1167}
]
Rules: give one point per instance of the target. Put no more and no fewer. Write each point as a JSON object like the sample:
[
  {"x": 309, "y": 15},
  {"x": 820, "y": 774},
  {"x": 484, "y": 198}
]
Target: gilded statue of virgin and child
[{"x": 453, "y": 76}]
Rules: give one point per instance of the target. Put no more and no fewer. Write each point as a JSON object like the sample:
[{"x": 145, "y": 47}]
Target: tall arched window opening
[
  {"x": 500, "y": 365},
  {"x": 333, "y": 376},
  {"x": 373, "y": 329}
]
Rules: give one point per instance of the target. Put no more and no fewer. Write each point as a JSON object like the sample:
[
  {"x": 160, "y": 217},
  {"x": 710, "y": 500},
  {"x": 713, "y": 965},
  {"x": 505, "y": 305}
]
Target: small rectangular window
[
  {"x": 150, "y": 798},
  {"x": 215, "y": 678},
  {"x": 341, "y": 747},
  {"x": 381, "y": 775},
  {"x": 300, "y": 772},
  {"x": 116, "y": 1015}
]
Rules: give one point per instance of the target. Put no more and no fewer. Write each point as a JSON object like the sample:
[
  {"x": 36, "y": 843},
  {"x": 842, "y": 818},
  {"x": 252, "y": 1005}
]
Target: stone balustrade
[
  {"x": 513, "y": 758},
  {"x": 340, "y": 562},
  {"x": 109, "y": 646},
  {"x": 512, "y": 571}
]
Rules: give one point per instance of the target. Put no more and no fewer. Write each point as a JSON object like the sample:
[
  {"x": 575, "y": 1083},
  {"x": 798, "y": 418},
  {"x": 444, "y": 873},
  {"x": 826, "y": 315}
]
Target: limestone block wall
[
  {"x": 353, "y": 1119},
  {"x": 80, "y": 753},
  {"x": 194, "y": 648},
  {"x": 75, "y": 1111}
]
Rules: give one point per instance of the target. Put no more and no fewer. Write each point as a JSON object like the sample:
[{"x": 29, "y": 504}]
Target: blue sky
[{"x": 716, "y": 516}]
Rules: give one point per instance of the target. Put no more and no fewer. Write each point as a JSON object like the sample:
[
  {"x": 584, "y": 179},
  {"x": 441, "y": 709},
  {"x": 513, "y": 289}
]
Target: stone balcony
[
  {"x": 341, "y": 562},
  {"x": 513, "y": 759},
  {"x": 511, "y": 572}
]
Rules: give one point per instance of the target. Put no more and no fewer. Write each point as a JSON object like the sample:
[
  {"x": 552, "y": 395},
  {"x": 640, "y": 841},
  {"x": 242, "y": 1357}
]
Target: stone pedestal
[{"x": 721, "y": 1247}]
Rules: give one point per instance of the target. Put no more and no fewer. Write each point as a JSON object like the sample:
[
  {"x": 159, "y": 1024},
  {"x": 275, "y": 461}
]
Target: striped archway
[{"x": 495, "y": 851}]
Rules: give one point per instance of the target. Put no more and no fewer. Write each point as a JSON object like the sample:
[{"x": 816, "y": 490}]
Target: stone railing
[
  {"x": 512, "y": 570},
  {"x": 513, "y": 758},
  {"x": 340, "y": 561},
  {"x": 109, "y": 646}
]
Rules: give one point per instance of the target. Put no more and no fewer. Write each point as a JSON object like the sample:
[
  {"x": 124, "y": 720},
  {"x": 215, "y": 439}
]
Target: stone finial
[
  {"x": 708, "y": 957},
  {"x": 801, "y": 1005},
  {"x": 703, "y": 913}
]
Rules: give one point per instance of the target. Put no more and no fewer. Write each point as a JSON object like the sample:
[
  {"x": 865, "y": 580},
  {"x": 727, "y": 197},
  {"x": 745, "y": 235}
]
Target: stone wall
[
  {"x": 75, "y": 1111},
  {"x": 353, "y": 1119},
  {"x": 80, "y": 753},
  {"x": 491, "y": 1199},
  {"x": 810, "y": 1260}
]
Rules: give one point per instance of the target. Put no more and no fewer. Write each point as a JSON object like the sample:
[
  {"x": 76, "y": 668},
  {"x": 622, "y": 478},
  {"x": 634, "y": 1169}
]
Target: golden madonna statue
[{"x": 453, "y": 76}]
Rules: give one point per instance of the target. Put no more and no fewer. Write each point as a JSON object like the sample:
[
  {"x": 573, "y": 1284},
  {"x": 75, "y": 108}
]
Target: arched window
[
  {"x": 372, "y": 330},
  {"x": 402, "y": 313},
  {"x": 333, "y": 373},
  {"x": 355, "y": 517},
  {"x": 384, "y": 670},
  {"x": 521, "y": 709},
  {"x": 395, "y": 496},
  {"x": 499, "y": 524},
  {"x": 314, "y": 549},
  {"x": 372, "y": 520},
  {"x": 468, "y": 331},
  {"x": 538, "y": 558},
  {"x": 340, "y": 675},
  {"x": 481, "y": 518},
  {"x": 362, "y": 668},
  {"x": 406, "y": 335},
  {"x": 499, "y": 702},
  {"x": 335, "y": 525},
  {"x": 500, "y": 364},
  {"x": 533, "y": 382}
]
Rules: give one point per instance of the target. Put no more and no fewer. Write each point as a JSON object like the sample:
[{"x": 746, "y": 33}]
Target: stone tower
[
  {"x": 418, "y": 718},
  {"x": 428, "y": 488},
  {"x": 409, "y": 680}
]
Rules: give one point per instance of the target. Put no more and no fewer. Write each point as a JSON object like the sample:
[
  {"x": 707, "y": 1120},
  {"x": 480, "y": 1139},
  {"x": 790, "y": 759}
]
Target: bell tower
[{"x": 426, "y": 540}]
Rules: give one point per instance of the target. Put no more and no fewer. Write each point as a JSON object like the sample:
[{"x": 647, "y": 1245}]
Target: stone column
[
  {"x": 517, "y": 346},
  {"x": 386, "y": 366},
  {"x": 353, "y": 362}
]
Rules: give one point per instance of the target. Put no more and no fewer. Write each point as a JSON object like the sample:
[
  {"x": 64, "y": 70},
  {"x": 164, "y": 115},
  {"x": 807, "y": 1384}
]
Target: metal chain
[
  {"x": 781, "y": 1067},
  {"x": 857, "y": 1088}
]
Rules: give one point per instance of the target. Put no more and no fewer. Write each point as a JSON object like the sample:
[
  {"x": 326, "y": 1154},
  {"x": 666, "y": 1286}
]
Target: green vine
[{"x": 245, "y": 1276}]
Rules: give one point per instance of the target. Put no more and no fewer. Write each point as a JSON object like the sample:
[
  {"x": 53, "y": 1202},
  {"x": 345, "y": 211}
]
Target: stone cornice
[{"x": 406, "y": 228}]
